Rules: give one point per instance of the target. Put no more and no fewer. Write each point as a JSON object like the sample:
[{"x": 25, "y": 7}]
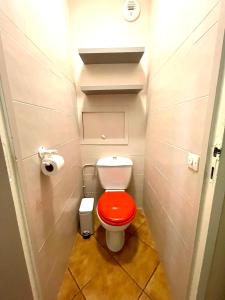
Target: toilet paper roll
[{"x": 51, "y": 164}]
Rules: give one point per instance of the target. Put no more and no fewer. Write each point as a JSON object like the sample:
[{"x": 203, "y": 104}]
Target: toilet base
[
  {"x": 115, "y": 240},
  {"x": 115, "y": 235}
]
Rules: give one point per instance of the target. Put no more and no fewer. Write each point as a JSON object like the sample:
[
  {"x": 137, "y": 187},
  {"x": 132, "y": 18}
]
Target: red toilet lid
[{"x": 116, "y": 208}]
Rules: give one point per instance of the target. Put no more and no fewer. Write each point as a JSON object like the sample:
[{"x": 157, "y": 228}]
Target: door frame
[{"x": 10, "y": 157}]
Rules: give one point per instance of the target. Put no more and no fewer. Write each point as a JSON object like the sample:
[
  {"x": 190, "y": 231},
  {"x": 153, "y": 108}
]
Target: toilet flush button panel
[
  {"x": 193, "y": 161},
  {"x": 131, "y": 10}
]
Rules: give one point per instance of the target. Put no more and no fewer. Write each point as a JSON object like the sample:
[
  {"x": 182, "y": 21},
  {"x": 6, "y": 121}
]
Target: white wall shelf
[
  {"x": 108, "y": 89},
  {"x": 111, "y": 55}
]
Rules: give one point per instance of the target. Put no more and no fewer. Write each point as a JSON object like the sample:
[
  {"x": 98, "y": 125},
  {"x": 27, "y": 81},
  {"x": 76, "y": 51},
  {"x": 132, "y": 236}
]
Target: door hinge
[{"x": 216, "y": 157}]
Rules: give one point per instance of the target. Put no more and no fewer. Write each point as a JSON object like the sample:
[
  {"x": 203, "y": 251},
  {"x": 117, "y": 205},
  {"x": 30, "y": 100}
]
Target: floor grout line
[
  {"x": 151, "y": 276},
  {"x": 82, "y": 294},
  {"x": 148, "y": 245},
  {"x": 127, "y": 273},
  {"x": 119, "y": 264},
  {"x": 136, "y": 229},
  {"x": 133, "y": 234},
  {"x": 143, "y": 292},
  {"x": 140, "y": 295},
  {"x": 83, "y": 287},
  {"x": 130, "y": 235},
  {"x": 74, "y": 279}
]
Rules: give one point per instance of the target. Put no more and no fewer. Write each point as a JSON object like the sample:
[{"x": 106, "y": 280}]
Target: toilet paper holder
[
  {"x": 42, "y": 152},
  {"x": 51, "y": 162}
]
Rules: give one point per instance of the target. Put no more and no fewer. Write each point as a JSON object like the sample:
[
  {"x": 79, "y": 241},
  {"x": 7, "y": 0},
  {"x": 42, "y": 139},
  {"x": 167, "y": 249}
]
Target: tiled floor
[{"x": 96, "y": 273}]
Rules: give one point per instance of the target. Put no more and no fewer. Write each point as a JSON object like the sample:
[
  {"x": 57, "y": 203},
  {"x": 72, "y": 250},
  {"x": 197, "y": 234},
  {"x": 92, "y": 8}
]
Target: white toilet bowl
[
  {"x": 116, "y": 209},
  {"x": 115, "y": 235}
]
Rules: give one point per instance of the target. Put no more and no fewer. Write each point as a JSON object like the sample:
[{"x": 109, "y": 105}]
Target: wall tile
[
  {"x": 180, "y": 80},
  {"x": 33, "y": 83},
  {"x": 43, "y": 127},
  {"x": 92, "y": 184},
  {"x": 171, "y": 23},
  {"x": 15, "y": 11},
  {"x": 172, "y": 163},
  {"x": 175, "y": 206},
  {"x": 173, "y": 253},
  {"x": 47, "y": 197},
  {"x": 180, "y": 69},
  {"x": 182, "y": 125},
  {"x": 136, "y": 189},
  {"x": 54, "y": 254},
  {"x": 50, "y": 35}
]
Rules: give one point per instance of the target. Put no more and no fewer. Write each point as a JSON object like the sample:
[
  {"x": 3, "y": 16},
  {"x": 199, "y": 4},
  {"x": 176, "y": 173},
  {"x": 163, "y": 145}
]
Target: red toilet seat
[{"x": 116, "y": 208}]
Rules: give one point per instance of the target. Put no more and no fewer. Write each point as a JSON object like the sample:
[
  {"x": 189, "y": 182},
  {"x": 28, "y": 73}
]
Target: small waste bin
[{"x": 86, "y": 217}]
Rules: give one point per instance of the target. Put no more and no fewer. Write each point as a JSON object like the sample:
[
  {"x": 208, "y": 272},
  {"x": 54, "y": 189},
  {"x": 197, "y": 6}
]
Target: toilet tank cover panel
[{"x": 114, "y": 161}]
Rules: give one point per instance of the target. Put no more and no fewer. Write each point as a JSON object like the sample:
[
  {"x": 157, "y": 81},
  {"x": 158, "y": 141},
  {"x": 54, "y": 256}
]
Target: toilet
[{"x": 116, "y": 209}]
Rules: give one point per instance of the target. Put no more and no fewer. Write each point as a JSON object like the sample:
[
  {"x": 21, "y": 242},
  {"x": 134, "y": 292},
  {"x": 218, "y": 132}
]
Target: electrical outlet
[{"x": 193, "y": 161}]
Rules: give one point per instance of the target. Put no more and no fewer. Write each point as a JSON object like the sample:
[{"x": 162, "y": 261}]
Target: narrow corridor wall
[
  {"x": 183, "y": 37},
  {"x": 41, "y": 103}
]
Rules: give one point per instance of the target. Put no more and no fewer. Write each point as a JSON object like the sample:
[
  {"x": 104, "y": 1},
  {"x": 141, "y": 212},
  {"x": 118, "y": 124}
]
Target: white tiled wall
[
  {"x": 183, "y": 36},
  {"x": 41, "y": 101}
]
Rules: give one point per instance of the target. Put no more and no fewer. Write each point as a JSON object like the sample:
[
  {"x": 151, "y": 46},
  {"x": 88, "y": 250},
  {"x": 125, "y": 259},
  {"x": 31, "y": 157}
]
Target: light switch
[{"x": 193, "y": 161}]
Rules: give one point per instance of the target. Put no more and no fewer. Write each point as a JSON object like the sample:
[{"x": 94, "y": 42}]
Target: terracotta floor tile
[
  {"x": 75, "y": 243},
  {"x": 138, "y": 259},
  {"x": 96, "y": 221},
  {"x": 138, "y": 220},
  {"x": 69, "y": 288},
  {"x": 144, "y": 234},
  {"x": 111, "y": 283},
  {"x": 157, "y": 288},
  {"x": 100, "y": 237},
  {"x": 102, "y": 274},
  {"x": 79, "y": 296},
  {"x": 86, "y": 259},
  {"x": 144, "y": 297}
]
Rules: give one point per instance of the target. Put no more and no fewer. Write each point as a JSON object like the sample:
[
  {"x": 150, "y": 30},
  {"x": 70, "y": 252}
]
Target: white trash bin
[{"x": 86, "y": 217}]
